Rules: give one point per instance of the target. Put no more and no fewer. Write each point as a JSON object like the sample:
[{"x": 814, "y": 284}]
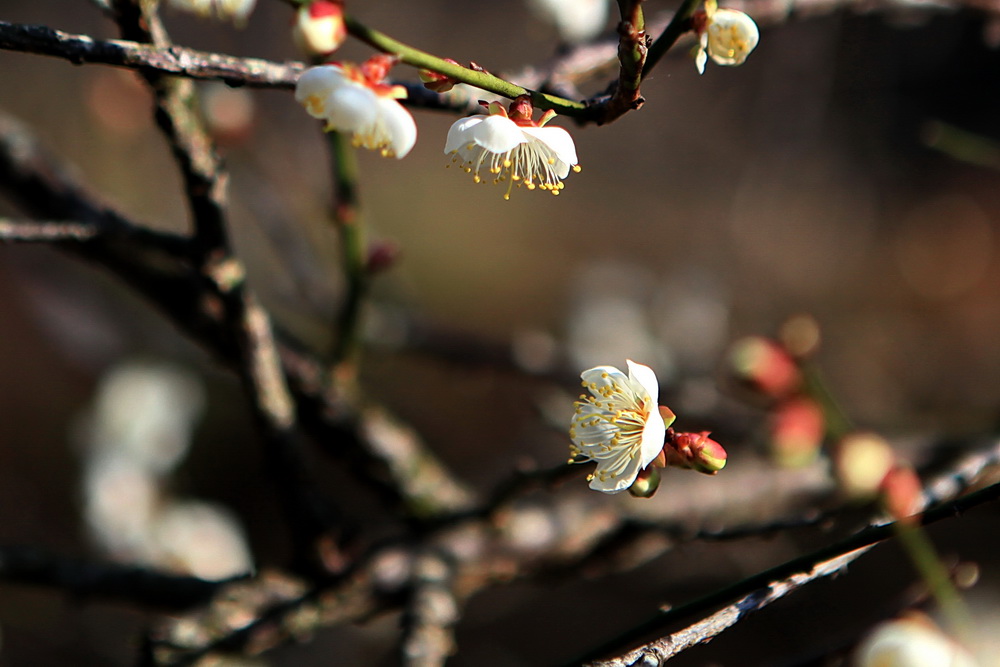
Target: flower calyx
[
  {"x": 727, "y": 36},
  {"x": 439, "y": 83},
  {"x": 512, "y": 148}
]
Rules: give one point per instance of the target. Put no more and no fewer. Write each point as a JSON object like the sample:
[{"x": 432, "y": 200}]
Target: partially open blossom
[
  {"x": 619, "y": 425},
  {"x": 912, "y": 641},
  {"x": 727, "y": 36},
  {"x": 352, "y": 99},
  {"x": 236, "y": 11},
  {"x": 513, "y": 148},
  {"x": 319, "y": 27}
]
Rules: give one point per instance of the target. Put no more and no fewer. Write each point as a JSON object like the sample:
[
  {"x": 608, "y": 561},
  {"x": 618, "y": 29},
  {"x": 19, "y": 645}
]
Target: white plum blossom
[
  {"x": 727, "y": 36},
  {"x": 513, "y": 148},
  {"x": 353, "y": 100},
  {"x": 619, "y": 425},
  {"x": 236, "y": 11}
]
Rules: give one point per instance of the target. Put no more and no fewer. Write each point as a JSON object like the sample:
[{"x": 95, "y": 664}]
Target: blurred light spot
[
  {"x": 202, "y": 540},
  {"x": 533, "y": 350},
  {"x": 229, "y": 112},
  {"x": 944, "y": 247},
  {"x": 119, "y": 102}
]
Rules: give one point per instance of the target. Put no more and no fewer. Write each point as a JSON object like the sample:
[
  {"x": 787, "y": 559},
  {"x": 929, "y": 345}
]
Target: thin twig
[{"x": 44, "y": 231}]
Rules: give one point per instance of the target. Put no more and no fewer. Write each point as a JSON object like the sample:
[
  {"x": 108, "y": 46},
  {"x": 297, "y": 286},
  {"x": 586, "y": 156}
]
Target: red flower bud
[
  {"x": 797, "y": 427},
  {"x": 765, "y": 366}
]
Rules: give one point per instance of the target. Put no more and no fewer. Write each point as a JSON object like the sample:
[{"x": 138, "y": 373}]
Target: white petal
[
  {"x": 603, "y": 376},
  {"x": 624, "y": 479},
  {"x": 352, "y": 108},
  {"x": 496, "y": 134},
  {"x": 652, "y": 437},
  {"x": 315, "y": 86},
  {"x": 646, "y": 378},
  {"x": 399, "y": 126},
  {"x": 700, "y": 58},
  {"x": 458, "y": 133},
  {"x": 559, "y": 141}
]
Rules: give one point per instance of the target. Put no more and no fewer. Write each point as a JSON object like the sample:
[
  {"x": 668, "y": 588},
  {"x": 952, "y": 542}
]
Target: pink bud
[
  {"x": 381, "y": 257},
  {"x": 797, "y": 427},
  {"x": 902, "y": 493},
  {"x": 765, "y": 366},
  {"x": 695, "y": 451}
]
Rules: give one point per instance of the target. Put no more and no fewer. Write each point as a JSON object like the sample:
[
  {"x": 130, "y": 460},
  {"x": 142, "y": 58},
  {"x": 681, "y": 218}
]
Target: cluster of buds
[
  {"x": 621, "y": 428},
  {"x": 773, "y": 370},
  {"x": 866, "y": 467}
]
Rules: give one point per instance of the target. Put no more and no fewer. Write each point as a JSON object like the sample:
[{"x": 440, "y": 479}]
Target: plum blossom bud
[
  {"x": 797, "y": 427},
  {"x": 319, "y": 27},
  {"x": 727, "y": 36},
  {"x": 765, "y": 366},
  {"x": 902, "y": 493},
  {"x": 646, "y": 483},
  {"x": 695, "y": 451},
  {"x": 861, "y": 462},
  {"x": 439, "y": 83}
]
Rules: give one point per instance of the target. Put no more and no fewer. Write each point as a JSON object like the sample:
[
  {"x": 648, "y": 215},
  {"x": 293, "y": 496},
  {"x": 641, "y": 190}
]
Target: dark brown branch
[
  {"x": 93, "y": 580},
  {"x": 148, "y": 59}
]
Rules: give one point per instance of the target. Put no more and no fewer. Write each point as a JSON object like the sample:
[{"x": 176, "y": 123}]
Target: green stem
[
  {"x": 678, "y": 25},
  {"x": 927, "y": 563},
  {"x": 349, "y": 224},
  {"x": 484, "y": 80},
  {"x": 838, "y": 424}
]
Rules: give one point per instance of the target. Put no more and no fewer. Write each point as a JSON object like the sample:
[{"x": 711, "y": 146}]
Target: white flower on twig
[
  {"x": 727, "y": 36},
  {"x": 512, "y": 148},
  {"x": 352, "y": 99},
  {"x": 619, "y": 425}
]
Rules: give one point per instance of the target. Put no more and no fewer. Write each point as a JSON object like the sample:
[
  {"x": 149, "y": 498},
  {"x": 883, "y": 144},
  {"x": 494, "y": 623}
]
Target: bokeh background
[{"x": 849, "y": 170}]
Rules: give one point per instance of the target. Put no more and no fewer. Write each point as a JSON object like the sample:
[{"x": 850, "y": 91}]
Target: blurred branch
[
  {"x": 43, "y": 231},
  {"x": 154, "y": 264},
  {"x": 757, "y": 591},
  {"x": 431, "y": 611},
  {"x": 105, "y": 581}
]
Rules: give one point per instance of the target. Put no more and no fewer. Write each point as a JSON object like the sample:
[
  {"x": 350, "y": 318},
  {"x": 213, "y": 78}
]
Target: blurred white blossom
[
  {"x": 134, "y": 435},
  {"x": 237, "y": 11},
  {"x": 575, "y": 20},
  {"x": 913, "y": 641}
]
